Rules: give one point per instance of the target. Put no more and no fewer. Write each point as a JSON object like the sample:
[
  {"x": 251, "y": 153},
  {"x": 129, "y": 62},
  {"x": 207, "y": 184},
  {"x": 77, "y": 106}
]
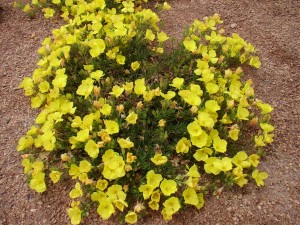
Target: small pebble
[{"x": 233, "y": 25}]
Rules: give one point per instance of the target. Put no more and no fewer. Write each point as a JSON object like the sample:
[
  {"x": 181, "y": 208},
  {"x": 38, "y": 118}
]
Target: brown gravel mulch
[{"x": 272, "y": 26}]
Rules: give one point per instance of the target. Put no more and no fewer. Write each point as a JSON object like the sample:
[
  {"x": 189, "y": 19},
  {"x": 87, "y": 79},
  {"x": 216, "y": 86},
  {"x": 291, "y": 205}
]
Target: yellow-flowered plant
[{"x": 135, "y": 127}]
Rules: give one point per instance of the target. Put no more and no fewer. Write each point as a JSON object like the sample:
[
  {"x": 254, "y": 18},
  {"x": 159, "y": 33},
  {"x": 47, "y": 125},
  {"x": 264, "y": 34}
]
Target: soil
[{"x": 272, "y": 26}]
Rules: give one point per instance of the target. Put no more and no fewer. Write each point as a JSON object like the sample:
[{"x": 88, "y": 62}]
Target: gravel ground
[{"x": 271, "y": 25}]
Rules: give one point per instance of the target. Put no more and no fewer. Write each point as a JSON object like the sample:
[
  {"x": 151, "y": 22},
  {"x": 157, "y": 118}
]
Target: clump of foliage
[{"x": 138, "y": 129}]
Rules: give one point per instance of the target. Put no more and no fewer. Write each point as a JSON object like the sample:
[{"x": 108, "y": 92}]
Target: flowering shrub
[{"x": 137, "y": 128}]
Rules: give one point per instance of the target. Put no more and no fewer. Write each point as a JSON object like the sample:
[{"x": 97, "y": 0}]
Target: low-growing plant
[{"x": 135, "y": 127}]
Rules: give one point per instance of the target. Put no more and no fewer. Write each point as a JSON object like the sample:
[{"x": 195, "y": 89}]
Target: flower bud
[
  {"x": 140, "y": 105},
  {"x": 194, "y": 109},
  {"x": 120, "y": 108},
  {"x": 97, "y": 105},
  {"x": 230, "y": 103},
  {"x": 96, "y": 91},
  {"x": 162, "y": 123},
  {"x": 254, "y": 121},
  {"x": 64, "y": 157}
]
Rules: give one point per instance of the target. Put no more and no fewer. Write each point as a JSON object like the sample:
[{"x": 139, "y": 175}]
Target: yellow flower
[
  {"x": 120, "y": 59},
  {"x": 105, "y": 209},
  {"x": 130, "y": 158},
  {"x": 209, "y": 166},
  {"x": 183, "y": 145},
  {"x": 210, "y": 56},
  {"x": 27, "y": 8},
  {"x": 201, "y": 154},
  {"x": 60, "y": 79},
  {"x": 190, "y": 44},
  {"x": 76, "y": 192},
  {"x": 200, "y": 140},
  {"x": 193, "y": 171},
  {"x": 192, "y": 182},
  {"x": 255, "y": 62},
  {"x": 135, "y": 65},
  {"x": 115, "y": 192},
  {"x": 147, "y": 190},
  {"x": 153, "y": 179},
  {"x": 120, "y": 204},
  {"x": 166, "y": 6},
  {"x": 169, "y": 95},
  {"x": 88, "y": 68},
  {"x": 177, "y": 82},
  {"x": 128, "y": 7},
  {"x": 55, "y": 176},
  {"x": 190, "y": 196},
  {"x": 82, "y": 135},
  {"x": 220, "y": 145},
  {"x": 266, "y": 127},
  {"x": 153, "y": 205},
  {"x": 161, "y": 123},
  {"x": 44, "y": 87},
  {"x": 114, "y": 165},
  {"x": 38, "y": 166},
  {"x": 24, "y": 142},
  {"x": 131, "y": 118},
  {"x": 148, "y": 95},
  {"x": 92, "y": 149},
  {"x": 112, "y": 127},
  {"x": 212, "y": 105},
  {"x": 150, "y": 35},
  {"x": 162, "y": 37},
  {"x": 241, "y": 180},
  {"x": 117, "y": 91},
  {"x": 223, "y": 164},
  {"x": 131, "y": 217},
  {"x": 97, "y": 74},
  {"x": 27, "y": 165},
  {"x": 171, "y": 205},
  {"x": 212, "y": 88},
  {"x": 75, "y": 214},
  {"x": 48, "y": 12},
  {"x": 242, "y": 113},
  {"x": 37, "y": 182},
  {"x": 168, "y": 187},
  {"x": 85, "y": 88},
  {"x": 106, "y": 109},
  {"x": 234, "y": 133},
  {"x": 101, "y": 184},
  {"x": 194, "y": 128},
  {"x": 205, "y": 120},
  {"x": 254, "y": 160},
  {"x": 259, "y": 177},
  {"x": 159, "y": 159},
  {"x": 139, "y": 86},
  {"x": 97, "y": 47},
  {"x": 240, "y": 159},
  {"x": 165, "y": 215},
  {"x": 98, "y": 196},
  {"x": 190, "y": 97},
  {"x": 259, "y": 140},
  {"x": 265, "y": 108},
  {"x": 200, "y": 200},
  {"x": 85, "y": 166},
  {"x": 125, "y": 143},
  {"x": 128, "y": 86},
  {"x": 196, "y": 89},
  {"x": 155, "y": 196}
]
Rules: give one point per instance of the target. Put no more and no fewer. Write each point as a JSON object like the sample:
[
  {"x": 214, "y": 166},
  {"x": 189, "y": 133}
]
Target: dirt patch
[{"x": 272, "y": 26}]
